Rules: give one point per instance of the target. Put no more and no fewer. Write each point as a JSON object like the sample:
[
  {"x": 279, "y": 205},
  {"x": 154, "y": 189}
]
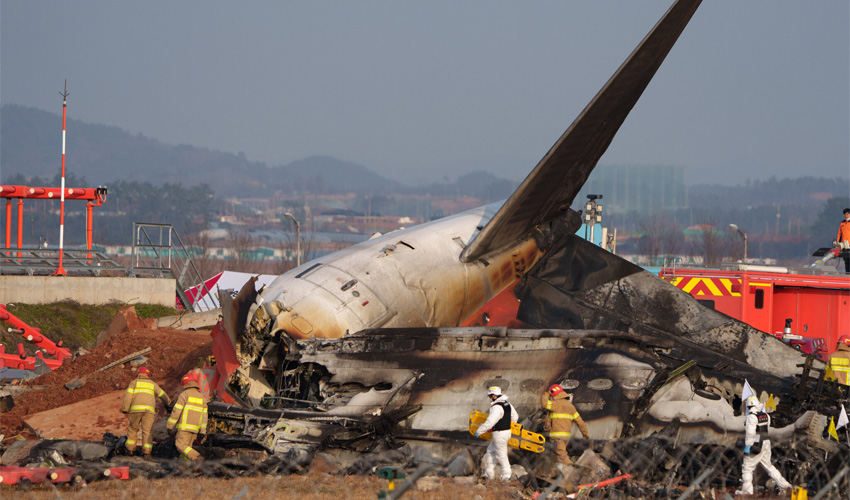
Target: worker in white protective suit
[
  {"x": 498, "y": 421},
  {"x": 757, "y": 448}
]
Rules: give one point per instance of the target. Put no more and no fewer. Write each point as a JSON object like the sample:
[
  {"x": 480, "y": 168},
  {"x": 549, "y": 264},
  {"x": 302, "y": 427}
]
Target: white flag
[
  {"x": 842, "y": 418},
  {"x": 747, "y": 392}
]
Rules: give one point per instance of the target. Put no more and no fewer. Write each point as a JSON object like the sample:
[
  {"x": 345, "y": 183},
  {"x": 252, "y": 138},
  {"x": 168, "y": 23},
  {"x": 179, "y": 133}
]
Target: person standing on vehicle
[
  {"x": 140, "y": 408},
  {"x": 843, "y": 238},
  {"x": 757, "y": 448},
  {"x": 502, "y": 414},
  {"x": 189, "y": 417},
  {"x": 559, "y": 420}
]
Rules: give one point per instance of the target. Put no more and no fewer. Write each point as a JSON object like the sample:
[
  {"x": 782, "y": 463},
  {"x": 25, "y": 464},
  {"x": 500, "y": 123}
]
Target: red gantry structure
[{"x": 95, "y": 197}]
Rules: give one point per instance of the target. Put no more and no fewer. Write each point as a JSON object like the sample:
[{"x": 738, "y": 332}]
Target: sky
[{"x": 425, "y": 91}]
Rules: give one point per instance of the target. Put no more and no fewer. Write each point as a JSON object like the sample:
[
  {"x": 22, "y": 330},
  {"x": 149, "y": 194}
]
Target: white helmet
[
  {"x": 753, "y": 401},
  {"x": 494, "y": 391}
]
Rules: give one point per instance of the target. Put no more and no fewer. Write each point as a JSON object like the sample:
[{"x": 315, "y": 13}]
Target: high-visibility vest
[
  {"x": 562, "y": 413},
  {"x": 141, "y": 394},
  {"x": 839, "y": 363},
  {"x": 190, "y": 411}
]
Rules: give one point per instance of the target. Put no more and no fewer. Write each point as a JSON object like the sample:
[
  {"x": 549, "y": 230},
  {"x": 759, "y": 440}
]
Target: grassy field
[{"x": 75, "y": 324}]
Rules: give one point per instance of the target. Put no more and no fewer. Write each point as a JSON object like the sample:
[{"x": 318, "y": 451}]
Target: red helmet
[
  {"x": 144, "y": 371},
  {"x": 189, "y": 377},
  {"x": 844, "y": 339},
  {"x": 555, "y": 390}
]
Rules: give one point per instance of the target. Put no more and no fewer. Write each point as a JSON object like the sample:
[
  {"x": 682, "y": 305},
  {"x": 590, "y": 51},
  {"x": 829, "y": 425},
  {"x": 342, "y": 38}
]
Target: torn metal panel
[
  {"x": 623, "y": 383},
  {"x": 581, "y": 286}
]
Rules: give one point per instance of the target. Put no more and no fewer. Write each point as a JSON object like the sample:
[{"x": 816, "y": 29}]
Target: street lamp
[
  {"x": 734, "y": 229},
  {"x": 297, "y": 238}
]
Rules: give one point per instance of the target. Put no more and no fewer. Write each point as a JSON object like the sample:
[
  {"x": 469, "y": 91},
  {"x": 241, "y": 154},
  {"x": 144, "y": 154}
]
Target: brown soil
[
  {"x": 311, "y": 486},
  {"x": 173, "y": 353}
]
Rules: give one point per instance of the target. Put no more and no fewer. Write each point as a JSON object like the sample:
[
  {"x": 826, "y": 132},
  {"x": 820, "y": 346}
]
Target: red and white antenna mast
[{"x": 61, "y": 270}]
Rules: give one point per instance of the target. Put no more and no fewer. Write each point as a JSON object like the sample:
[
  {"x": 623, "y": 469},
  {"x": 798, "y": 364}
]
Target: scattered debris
[{"x": 79, "y": 382}]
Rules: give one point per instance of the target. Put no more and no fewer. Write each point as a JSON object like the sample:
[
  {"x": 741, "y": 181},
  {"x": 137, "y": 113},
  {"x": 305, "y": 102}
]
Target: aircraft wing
[{"x": 556, "y": 180}]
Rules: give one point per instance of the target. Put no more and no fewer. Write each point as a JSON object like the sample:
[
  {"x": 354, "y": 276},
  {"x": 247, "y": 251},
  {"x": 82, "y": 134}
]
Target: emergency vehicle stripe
[
  {"x": 706, "y": 282},
  {"x": 727, "y": 284}
]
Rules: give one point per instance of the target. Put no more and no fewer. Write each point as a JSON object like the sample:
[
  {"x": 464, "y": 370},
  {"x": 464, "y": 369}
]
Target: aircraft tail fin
[{"x": 556, "y": 180}]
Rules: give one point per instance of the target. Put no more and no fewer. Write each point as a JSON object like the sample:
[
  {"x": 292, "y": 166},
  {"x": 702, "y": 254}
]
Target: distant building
[{"x": 638, "y": 188}]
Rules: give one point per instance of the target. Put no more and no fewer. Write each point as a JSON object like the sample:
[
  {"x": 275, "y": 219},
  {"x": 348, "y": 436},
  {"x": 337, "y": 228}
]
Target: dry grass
[{"x": 312, "y": 486}]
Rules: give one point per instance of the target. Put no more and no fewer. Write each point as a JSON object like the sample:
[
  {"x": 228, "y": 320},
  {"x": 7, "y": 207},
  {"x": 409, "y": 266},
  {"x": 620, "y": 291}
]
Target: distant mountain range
[
  {"x": 30, "y": 141},
  {"x": 30, "y": 144}
]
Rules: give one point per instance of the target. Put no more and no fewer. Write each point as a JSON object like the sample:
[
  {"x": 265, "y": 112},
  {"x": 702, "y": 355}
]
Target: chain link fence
[{"x": 657, "y": 467}]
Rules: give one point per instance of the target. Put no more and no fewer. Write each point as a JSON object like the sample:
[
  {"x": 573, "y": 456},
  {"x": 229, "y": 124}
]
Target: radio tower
[{"x": 61, "y": 270}]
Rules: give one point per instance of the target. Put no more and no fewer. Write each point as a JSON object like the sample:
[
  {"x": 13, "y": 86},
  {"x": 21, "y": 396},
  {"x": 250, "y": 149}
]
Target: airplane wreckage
[{"x": 397, "y": 338}]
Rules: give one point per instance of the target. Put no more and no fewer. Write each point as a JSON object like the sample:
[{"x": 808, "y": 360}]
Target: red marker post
[{"x": 61, "y": 270}]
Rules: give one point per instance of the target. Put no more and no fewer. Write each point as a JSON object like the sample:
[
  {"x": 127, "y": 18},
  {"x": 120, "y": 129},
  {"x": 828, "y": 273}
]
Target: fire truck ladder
[{"x": 158, "y": 252}]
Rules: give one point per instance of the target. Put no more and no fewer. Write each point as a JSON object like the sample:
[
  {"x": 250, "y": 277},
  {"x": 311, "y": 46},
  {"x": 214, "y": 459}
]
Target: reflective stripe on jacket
[
  {"x": 562, "y": 414},
  {"x": 141, "y": 394},
  {"x": 190, "y": 411}
]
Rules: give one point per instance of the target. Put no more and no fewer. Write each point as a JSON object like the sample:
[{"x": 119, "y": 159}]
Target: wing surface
[{"x": 556, "y": 180}]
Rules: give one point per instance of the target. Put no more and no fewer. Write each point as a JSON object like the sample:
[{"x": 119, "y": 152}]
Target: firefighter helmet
[
  {"x": 844, "y": 339},
  {"x": 144, "y": 370},
  {"x": 555, "y": 390},
  {"x": 494, "y": 391},
  {"x": 189, "y": 377}
]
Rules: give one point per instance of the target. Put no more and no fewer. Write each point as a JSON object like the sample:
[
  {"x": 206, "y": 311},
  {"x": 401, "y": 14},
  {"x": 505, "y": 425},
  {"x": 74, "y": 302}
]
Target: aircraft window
[
  {"x": 348, "y": 285},
  {"x": 569, "y": 383},
  {"x": 759, "y": 299},
  {"x": 600, "y": 384}
]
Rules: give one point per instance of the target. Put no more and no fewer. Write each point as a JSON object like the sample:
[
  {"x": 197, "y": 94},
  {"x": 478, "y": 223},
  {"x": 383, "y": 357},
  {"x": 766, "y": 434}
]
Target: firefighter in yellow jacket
[
  {"x": 140, "y": 408},
  {"x": 839, "y": 361},
  {"x": 559, "y": 421},
  {"x": 189, "y": 417}
]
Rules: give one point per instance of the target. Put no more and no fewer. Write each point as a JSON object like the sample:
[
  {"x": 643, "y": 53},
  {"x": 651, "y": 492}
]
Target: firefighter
[
  {"x": 140, "y": 408},
  {"x": 189, "y": 417},
  {"x": 839, "y": 361},
  {"x": 499, "y": 421},
  {"x": 757, "y": 448},
  {"x": 843, "y": 238},
  {"x": 559, "y": 420}
]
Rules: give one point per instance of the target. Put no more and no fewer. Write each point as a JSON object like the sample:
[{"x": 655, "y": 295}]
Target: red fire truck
[{"x": 808, "y": 311}]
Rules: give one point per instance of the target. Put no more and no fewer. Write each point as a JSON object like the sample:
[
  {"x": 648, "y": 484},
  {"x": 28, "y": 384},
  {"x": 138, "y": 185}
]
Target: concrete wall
[{"x": 86, "y": 290}]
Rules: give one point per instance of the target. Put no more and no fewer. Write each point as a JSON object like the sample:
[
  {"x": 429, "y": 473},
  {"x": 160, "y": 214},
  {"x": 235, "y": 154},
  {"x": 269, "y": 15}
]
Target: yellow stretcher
[{"x": 521, "y": 439}]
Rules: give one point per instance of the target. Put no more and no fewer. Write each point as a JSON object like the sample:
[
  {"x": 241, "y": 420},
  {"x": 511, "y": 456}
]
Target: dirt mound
[{"x": 172, "y": 353}]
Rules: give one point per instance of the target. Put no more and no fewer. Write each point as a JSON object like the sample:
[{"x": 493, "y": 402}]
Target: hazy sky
[{"x": 421, "y": 90}]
